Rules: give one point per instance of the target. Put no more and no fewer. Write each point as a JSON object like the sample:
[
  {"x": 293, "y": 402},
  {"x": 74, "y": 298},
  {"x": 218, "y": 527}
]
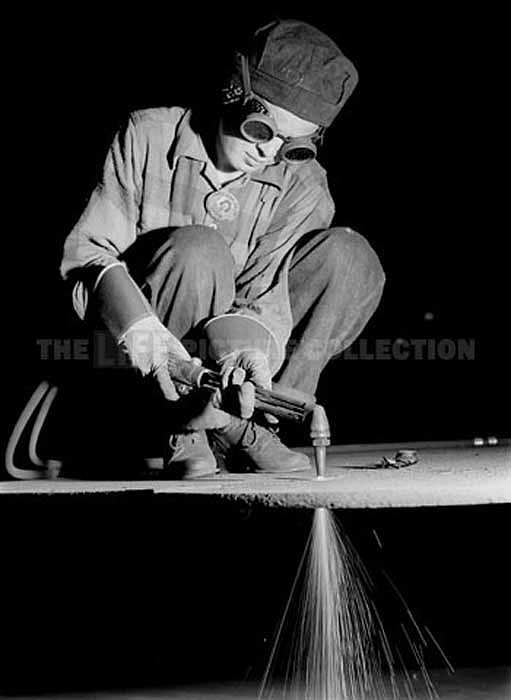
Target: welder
[{"x": 217, "y": 225}]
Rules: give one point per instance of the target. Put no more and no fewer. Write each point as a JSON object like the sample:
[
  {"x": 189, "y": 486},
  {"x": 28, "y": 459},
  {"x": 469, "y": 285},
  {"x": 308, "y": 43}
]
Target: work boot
[
  {"x": 253, "y": 448},
  {"x": 189, "y": 456}
]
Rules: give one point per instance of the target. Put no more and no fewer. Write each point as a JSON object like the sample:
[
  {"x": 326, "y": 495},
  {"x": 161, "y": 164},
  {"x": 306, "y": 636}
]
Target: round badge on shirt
[{"x": 222, "y": 205}]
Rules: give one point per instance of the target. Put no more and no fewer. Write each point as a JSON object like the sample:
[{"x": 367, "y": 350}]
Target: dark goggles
[{"x": 256, "y": 124}]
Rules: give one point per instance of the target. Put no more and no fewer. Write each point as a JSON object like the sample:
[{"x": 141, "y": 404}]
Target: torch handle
[{"x": 288, "y": 404}]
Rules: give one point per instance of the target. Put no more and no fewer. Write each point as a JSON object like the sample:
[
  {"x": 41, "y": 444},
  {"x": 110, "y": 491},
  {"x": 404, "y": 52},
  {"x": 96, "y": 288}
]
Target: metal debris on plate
[{"x": 402, "y": 458}]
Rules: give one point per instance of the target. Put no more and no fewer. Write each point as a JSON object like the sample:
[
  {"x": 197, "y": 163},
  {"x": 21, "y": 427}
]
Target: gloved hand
[
  {"x": 149, "y": 344},
  {"x": 245, "y": 369}
]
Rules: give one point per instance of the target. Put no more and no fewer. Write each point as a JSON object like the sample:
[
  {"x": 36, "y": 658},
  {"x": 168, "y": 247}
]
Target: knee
[
  {"x": 348, "y": 252},
  {"x": 197, "y": 246}
]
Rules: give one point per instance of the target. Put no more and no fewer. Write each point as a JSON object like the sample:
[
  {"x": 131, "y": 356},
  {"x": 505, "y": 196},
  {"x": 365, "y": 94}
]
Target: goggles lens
[
  {"x": 257, "y": 129},
  {"x": 298, "y": 154}
]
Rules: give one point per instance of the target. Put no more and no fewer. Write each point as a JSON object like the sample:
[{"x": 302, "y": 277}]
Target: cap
[{"x": 299, "y": 68}]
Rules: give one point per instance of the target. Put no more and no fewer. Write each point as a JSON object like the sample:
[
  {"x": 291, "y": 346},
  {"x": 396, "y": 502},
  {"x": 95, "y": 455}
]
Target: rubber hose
[{"x": 49, "y": 468}]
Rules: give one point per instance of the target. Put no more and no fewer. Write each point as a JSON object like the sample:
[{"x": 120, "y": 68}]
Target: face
[{"x": 236, "y": 154}]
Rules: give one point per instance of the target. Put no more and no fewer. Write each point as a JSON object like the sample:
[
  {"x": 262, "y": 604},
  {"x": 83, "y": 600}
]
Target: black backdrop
[{"x": 413, "y": 163}]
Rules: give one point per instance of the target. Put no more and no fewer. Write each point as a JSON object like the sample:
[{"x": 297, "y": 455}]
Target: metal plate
[{"x": 445, "y": 474}]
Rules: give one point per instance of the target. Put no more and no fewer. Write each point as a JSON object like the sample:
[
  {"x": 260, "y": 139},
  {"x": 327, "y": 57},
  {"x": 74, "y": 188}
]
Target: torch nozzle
[{"x": 320, "y": 436}]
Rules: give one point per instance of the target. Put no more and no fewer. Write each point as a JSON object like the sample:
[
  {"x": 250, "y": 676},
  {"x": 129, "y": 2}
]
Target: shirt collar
[{"x": 189, "y": 144}]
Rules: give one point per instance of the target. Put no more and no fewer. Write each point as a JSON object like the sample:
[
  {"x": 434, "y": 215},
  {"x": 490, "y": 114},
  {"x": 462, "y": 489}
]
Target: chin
[
  {"x": 243, "y": 168},
  {"x": 246, "y": 168},
  {"x": 239, "y": 164}
]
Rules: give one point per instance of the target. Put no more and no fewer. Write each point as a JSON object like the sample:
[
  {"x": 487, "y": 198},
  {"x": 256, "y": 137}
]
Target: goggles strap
[{"x": 245, "y": 76}]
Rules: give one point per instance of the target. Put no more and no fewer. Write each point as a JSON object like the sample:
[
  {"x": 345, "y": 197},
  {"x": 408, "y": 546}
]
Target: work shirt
[{"x": 158, "y": 174}]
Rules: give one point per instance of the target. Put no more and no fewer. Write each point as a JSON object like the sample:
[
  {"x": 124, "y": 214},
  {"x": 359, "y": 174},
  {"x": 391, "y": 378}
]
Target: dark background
[
  {"x": 139, "y": 590},
  {"x": 96, "y": 592}
]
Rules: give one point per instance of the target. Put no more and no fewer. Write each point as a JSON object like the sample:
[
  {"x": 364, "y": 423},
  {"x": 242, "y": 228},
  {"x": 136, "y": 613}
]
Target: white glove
[
  {"x": 245, "y": 369},
  {"x": 149, "y": 345}
]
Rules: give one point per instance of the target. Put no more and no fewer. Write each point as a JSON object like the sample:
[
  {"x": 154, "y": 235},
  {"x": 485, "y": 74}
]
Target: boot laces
[
  {"x": 177, "y": 438},
  {"x": 255, "y": 430}
]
